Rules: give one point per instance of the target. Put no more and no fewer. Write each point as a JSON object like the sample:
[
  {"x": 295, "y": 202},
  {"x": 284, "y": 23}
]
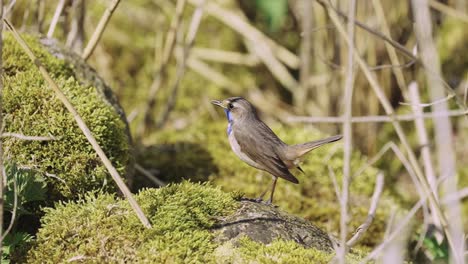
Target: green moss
[
  {"x": 101, "y": 228},
  {"x": 31, "y": 108},
  {"x": 280, "y": 251},
  {"x": 313, "y": 198}
]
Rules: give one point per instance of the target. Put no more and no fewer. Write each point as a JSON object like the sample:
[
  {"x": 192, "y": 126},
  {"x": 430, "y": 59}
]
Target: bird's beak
[{"x": 218, "y": 103}]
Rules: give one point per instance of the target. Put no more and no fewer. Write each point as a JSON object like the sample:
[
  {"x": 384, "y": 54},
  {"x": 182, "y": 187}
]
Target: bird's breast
[{"x": 237, "y": 150}]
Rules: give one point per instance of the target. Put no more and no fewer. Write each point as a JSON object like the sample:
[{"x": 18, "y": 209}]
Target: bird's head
[{"x": 236, "y": 108}]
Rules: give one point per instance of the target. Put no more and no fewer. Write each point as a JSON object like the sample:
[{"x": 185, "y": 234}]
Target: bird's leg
[
  {"x": 273, "y": 186},
  {"x": 260, "y": 198}
]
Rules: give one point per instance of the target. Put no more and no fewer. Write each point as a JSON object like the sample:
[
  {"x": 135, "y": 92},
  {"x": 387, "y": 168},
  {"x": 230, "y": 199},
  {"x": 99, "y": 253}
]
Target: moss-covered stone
[
  {"x": 187, "y": 221},
  {"x": 103, "y": 229},
  {"x": 31, "y": 108}
]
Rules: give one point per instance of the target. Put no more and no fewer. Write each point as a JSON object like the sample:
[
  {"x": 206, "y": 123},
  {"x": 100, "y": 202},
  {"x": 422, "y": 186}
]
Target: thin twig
[
  {"x": 373, "y": 119},
  {"x": 29, "y": 138},
  {"x": 82, "y": 125},
  {"x": 347, "y": 134},
  {"x": 305, "y": 15},
  {"x": 397, "y": 45},
  {"x": 379, "y": 183},
  {"x": 149, "y": 175},
  {"x": 332, "y": 175},
  {"x": 441, "y": 100},
  {"x": 182, "y": 63},
  {"x": 160, "y": 77},
  {"x": 396, "y": 232},
  {"x": 55, "y": 18},
  {"x": 99, "y": 30}
]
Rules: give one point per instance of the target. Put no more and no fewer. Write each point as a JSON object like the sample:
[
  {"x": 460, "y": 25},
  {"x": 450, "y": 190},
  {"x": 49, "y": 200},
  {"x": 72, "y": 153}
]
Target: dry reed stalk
[
  {"x": 82, "y": 125},
  {"x": 160, "y": 77},
  {"x": 99, "y": 29},
  {"x": 398, "y": 129},
  {"x": 182, "y": 62},
  {"x": 444, "y": 140},
  {"x": 449, "y": 11},
  {"x": 378, "y": 188},
  {"x": 55, "y": 18},
  {"x": 347, "y": 135}
]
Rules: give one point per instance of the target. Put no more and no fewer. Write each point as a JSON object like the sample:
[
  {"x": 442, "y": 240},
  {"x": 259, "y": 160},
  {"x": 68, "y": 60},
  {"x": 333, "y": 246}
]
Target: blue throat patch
[{"x": 229, "y": 118}]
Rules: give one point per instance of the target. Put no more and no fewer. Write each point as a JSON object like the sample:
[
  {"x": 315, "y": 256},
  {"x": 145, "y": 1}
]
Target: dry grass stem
[
  {"x": 449, "y": 11},
  {"x": 24, "y": 137},
  {"x": 332, "y": 175},
  {"x": 160, "y": 77},
  {"x": 373, "y": 119},
  {"x": 398, "y": 129},
  {"x": 395, "y": 233},
  {"x": 182, "y": 62},
  {"x": 380, "y": 35},
  {"x": 444, "y": 139},
  {"x": 81, "y": 124},
  {"x": 241, "y": 26},
  {"x": 439, "y": 101},
  {"x": 99, "y": 29},
  {"x": 211, "y": 74},
  {"x": 55, "y": 18},
  {"x": 347, "y": 134},
  {"x": 224, "y": 56},
  {"x": 380, "y": 15},
  {"x": 149, "y": 175},
  {"x": 378, "y": 188}
]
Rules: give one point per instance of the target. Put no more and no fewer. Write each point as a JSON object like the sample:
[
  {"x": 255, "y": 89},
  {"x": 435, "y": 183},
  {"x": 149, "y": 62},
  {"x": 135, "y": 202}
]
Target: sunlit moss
[
  {"x": 31, "y": 108},
  {"x": 101, "y": 228}
]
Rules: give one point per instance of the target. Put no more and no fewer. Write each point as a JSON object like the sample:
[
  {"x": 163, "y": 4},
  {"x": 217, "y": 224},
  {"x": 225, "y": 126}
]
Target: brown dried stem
[{"x": 99, "y": 30}]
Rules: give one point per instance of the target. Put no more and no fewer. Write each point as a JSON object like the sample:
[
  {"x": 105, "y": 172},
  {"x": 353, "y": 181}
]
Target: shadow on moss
[{"x": 175, "y": 162}]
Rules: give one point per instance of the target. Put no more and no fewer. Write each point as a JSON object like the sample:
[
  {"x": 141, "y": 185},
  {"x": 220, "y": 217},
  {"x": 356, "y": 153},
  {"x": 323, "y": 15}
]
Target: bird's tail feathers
[{"x": 297, "y": 151}]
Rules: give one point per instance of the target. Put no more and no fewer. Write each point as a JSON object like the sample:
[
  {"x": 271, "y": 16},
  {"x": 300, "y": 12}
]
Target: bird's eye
[{"x": 230, "y": 106}]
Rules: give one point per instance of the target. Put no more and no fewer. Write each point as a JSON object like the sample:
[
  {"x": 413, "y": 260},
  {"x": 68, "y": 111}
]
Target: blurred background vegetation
[{"x": 285, "y": 56}]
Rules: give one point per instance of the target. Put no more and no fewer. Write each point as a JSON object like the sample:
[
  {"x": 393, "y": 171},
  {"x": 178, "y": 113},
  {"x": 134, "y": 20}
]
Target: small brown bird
[{"x": 257, "y": 145}]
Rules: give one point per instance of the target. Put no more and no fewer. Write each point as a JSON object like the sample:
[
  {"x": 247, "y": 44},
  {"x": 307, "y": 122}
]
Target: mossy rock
[
  {"x": 69, "y": 162},
  {"x": 186, "y": 221},
  {"x": 313, "y": 198}
]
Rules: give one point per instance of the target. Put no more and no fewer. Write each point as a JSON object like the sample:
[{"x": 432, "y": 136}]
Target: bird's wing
[{"x": 260, "y": 144}]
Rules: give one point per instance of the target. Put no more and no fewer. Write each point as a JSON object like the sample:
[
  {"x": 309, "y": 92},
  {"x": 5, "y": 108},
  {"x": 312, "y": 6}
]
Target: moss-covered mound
[
  {"x": 103, "y": 229},
  {"x": 31, "y": 108},
  {"x": 313, "y": 198}
]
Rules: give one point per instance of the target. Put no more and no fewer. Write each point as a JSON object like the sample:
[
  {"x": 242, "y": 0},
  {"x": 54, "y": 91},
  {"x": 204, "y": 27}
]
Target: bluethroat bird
[{"x": 257, "y": 145}]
